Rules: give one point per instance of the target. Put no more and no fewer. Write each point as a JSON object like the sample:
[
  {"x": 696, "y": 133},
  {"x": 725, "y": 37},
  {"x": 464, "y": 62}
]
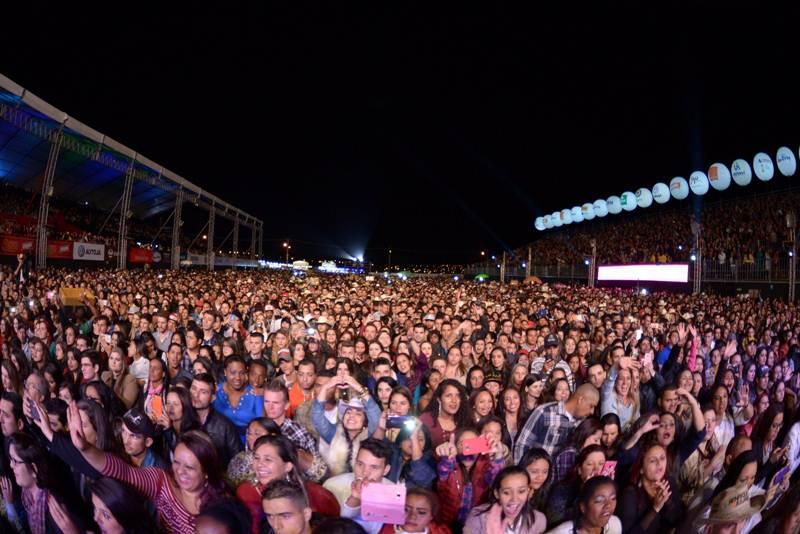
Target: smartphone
[
  {"x": 344, "y": 393},
  {"x": 479, "y": 445},
  {"x": 400, "y": 421},
  {"x": 107, "y": 338},
  {"x": 609, "y": 469},
  {"x": 157, "y": 406},
  {"x": 780, "y": 475},
  {"x": 34, "y": 411}
]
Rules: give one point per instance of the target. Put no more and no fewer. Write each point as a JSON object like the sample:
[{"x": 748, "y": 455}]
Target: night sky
[{"x": 435, "y": 133}]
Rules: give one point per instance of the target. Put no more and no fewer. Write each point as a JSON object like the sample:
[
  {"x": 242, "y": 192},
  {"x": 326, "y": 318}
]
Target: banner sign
[
  {"x": 59, "y": 250},
  {"x": 140, "y": 255},
  {"x": 11, "y": 245},
  {"x": 88, "y": 252}
]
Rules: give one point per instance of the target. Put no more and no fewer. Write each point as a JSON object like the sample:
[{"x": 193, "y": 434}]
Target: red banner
[
  {"x": 140, "y": 255},
  {"x": 59, "y": 250},
  {"x": 11, "y": 245}
]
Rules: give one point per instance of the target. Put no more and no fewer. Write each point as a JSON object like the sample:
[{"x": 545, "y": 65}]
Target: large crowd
[{"x": 149, "y": 401}]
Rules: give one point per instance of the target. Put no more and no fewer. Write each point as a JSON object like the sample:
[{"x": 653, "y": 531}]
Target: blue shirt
[{"x": 250, "y": 406}]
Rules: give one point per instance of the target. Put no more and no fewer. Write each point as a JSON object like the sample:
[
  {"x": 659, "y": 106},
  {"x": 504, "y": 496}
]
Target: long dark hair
[
  {"x": 733, "y": 472},
  {"x": 588, "y": 490},
  {"x": 287, "y": 452},
  {"x": 539, "y": 499},
  {"x": 124, "y": 504},
  {"x": 464, "y": 415},
  {"x": 34, "y": 457},
  {"x": 526, "y": 515},
  {"x": 99, "y": 419},
  {"x": 189, "y": 419},
  {"x": 203, "y": 449}
]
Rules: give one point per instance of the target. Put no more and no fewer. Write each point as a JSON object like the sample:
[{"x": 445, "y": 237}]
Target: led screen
[{"x": 662, "y": 272}]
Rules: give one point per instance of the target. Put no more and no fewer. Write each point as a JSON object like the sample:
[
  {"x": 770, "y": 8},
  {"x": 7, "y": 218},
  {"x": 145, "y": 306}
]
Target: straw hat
[{"x": 733, "y": 505}]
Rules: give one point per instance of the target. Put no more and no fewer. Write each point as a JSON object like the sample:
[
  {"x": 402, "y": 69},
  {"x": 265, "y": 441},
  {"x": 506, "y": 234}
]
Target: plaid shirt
[
  {"x": 563, "y": 462},
  {"x": 548, "y": 427},
  {"x": 303, "y": 440}
]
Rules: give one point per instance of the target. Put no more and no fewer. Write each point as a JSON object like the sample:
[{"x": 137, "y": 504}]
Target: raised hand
[
  {"x": 61, "y": 517},
  {"x": 626, "y": 362},
  {"x": 76, "y": 427},
  {"x": 744, "y": 396},
  {"x": 447, "y": 449},
  {"x": 6, "y": 490},
  {"x": 730, "y": 349},
  {"x": 663, "y": 493}
]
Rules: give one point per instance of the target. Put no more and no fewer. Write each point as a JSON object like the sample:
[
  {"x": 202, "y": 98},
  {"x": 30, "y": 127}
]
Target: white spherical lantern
[
  {"x": 679, "y": 187},
  {"x": 556, "y": 218},
  {"x": 588, "y": 211},
  {"x": 628, "y": 201},
  {"x": 644, "y": 198},
  {"x": 741, "y": 172},
  {"x": 539, "y": 224},
  {"x": 719, "y": 177},
  {"x": 614, "y": 206},
  {"x": 577, "y": 214},
  {"x": 763, "y": 167},
  {"x": 600, "y": 207},
  {"x": 566, "y": 216},
  {"x": 786, "y": 161},
  {"x": 548, "y": 222},
  {"x": 698, "y": 183},
  {"x": 660, "y": 193}
]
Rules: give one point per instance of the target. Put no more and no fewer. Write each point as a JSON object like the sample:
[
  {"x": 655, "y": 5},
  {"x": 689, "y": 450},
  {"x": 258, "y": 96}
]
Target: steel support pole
[
  {"x": 593, "y": 265},
  {"x": 503, "y": 269},
  {"x": 528, "y": 265},
  {"x": 698, "y": 264},
  {"x": 44, "y": 201},
  {"x": 792, "y": 265},
  {"x": 125, "y": 208},
  {"x": 260, "y": 243},
  {"x": 210, "y": 243},
  {"x": 253, "y": 231},
  {"x": 177, "y": 224},
  {"x": 236, "y": 236}
]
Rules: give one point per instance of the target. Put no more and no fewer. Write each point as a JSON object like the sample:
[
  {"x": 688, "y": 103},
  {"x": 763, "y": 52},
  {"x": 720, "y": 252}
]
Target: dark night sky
[{"x": 436, "y": 133}]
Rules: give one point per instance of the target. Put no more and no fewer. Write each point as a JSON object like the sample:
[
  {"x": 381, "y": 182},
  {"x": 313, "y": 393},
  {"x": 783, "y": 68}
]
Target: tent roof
[{"x": 91, "y": 166}]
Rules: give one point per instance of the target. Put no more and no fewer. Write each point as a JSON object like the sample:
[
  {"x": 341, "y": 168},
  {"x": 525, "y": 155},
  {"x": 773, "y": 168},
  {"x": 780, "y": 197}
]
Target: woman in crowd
[
  {"x": 177, "y": 418},
  {"x": 589, "y": 432},
  {"x": 120, "y": 380},
  {"x": 195, "y": 480},
  {"x": 475, "y": 378},
  {"x": 618, "y": 396},
  {"x": 240, "y": 469},
  {"x": 383, "y": 391},
  {"x": 509, "y": 409},
  {"x": 456, "y": 369},
  {"x": 597, "y": 503},
  {"x": 482, "y": 404},
  {"x": 611, "y": 438},
  {"x": 507, "y": 508},
  {"x": 538, "y": 464},
  {"x": 533, "y": 388},
  {"x": 652, "y": 503},
  {"x": 155, "y": 389},
  {"x": 422, "y": 507},
  {"x": 118, "y": 509},
  {"x": 563, "y": 499},
  {"x": 448, "y": 411}
]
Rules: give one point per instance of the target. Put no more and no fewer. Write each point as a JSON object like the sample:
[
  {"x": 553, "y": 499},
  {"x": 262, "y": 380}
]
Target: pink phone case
[
  {"x": 477, "y": 445},
  {"x": 609, "y": 469},
  {"x": 385, "y": 503}
]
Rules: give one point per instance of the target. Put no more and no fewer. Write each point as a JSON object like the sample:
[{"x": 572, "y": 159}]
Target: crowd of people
[
  {"x": 735, "y": 232},
  {"x": 258, "y": 401}
]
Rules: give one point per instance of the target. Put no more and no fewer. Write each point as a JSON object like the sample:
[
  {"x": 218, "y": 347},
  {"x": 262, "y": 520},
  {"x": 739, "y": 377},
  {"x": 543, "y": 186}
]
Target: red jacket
[{"x": 451, "y": 485}]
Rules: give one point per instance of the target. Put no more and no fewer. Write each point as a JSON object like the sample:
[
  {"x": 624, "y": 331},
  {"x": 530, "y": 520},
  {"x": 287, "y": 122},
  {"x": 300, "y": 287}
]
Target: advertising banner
[
  {"x": 88, "y": 252},
  {"x": 59, "y": 250},
  {"x": 11, "y": 245},
  {"x": 140, "y": 255}
]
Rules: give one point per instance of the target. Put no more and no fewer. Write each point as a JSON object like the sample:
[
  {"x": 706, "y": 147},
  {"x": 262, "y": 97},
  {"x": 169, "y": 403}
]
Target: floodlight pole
[
  {"x": 236, "y": 236},
  {"x": 253, "y": 234},
  {"x": 593, "y": 265},
  {"x": 177, "y": 222},
  {"x": 210, "y": 242},
  {"x": 260, "y": 243},
  {"x": 122, "y": 232},
  {"x": 44, "y": 201}
]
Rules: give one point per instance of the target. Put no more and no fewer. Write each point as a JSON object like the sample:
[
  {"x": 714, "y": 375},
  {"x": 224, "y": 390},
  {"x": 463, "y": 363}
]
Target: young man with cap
[
  {"x": 551, "y": 360},
  {"x": 137, "y": 433},
  {"x": 286, "y": 365}
]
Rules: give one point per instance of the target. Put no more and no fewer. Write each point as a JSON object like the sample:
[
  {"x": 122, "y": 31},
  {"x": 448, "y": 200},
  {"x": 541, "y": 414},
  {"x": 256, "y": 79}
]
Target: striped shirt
[{"x": 154, "y": 484}]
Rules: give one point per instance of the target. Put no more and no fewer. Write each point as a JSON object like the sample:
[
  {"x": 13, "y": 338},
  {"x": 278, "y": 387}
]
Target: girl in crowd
[
  {"x": 533, "y": 388},
  {"x": 617, "y": 395},
  {"x": 456, "y": 368},
  {"x": 448, "y": 411},
  {"x": 383, "y": 391},
  {"x": 155, "y": 389},
  {"x": 563, "y": 498},
  {"x": 274, "y": 458},
  {"x": 177, "y": 418},
  {"x": 517, "y": 377},
  {"x": 118, "y": 509},
  {"x": 482, "y": 404},
  {"x": 240, "y": 469},
  {"x": 463, "y": 478},
  {"x": 508, "y": 507},
  {"x": 120, "y": 380},
  {"x": 422, "y": 507},
  {"x": 651, "y": 504},
  {"x": 475, "y": 378},
  {"x": 589, "y": 432},
  {"x": 611, "y": 437},
  {"x": 509, "y": 409},
  {"x": 597, "y": 503},
  {"x": 538, "y": 464}
]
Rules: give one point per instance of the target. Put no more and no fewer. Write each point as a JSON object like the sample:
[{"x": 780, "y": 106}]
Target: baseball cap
[
  {"x": 284, "y": 354},
  {"x": 762, "y": 371},
  {"x": 551, "y": 341},
  {"x": 429, "y": 317},
  {"x": 138, "y": 423},
  {"x": 269, "y": 307}
]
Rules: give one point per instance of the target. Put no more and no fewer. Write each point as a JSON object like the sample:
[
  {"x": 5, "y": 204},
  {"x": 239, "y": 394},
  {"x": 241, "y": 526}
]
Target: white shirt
[
  {"x": 614, "y": 526},
  {"x": 140, "y": 369}
]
